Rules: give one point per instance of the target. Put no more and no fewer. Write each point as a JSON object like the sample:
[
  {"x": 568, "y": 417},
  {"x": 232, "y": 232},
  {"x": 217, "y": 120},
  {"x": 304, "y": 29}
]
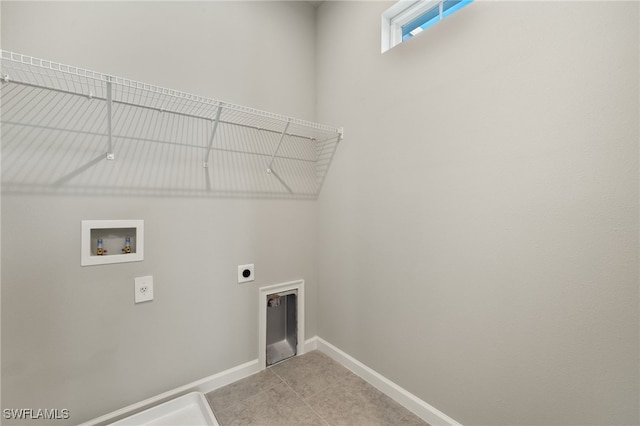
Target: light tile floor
[{"x": 309, "y": 389}]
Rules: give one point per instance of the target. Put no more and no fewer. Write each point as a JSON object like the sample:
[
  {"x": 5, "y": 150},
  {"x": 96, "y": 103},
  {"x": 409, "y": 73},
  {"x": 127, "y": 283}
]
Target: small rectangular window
[{"x": 408, "y": 18}]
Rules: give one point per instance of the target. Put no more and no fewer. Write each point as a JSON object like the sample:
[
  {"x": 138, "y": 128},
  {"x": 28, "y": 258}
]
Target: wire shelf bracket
[
  {"x": 110, "y": 154},
  {"x": 205, "y": 163}
]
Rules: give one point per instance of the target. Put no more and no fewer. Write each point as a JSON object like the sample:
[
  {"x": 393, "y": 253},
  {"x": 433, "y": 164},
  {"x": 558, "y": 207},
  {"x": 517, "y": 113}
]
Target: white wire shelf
[{"x": 61, "y": 126}]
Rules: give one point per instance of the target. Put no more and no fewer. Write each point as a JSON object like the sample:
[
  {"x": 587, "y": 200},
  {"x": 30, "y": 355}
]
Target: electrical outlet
[
  {"x": 143, "y": 289},
  {"x": 245, "y": 273}
]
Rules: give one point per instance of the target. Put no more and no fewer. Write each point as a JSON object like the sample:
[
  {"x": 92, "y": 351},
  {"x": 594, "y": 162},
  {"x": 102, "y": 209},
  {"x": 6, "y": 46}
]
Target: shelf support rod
[
  {"x": 205, "y": 163},
  {"x": 273, "y": 173},
  {"x": 110, "y": 154},
  {"x": 273, "y": 157}
]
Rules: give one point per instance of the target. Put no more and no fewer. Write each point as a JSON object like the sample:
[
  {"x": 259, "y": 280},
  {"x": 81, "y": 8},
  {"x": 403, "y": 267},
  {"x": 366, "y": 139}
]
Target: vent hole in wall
[{"x": 282, "y": 326}]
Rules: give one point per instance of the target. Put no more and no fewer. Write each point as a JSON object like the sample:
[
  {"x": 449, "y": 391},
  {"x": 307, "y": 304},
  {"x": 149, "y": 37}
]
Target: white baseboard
[
  {"x": 405, "y": 398},
  {"x": 411, "y": 402},
  {"x": 311, "y": 344}
]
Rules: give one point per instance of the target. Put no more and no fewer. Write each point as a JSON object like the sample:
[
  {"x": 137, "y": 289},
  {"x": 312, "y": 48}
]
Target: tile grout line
[
  {"x": 330, "y": 388},
  {"x": 303, "y": 400},
  {"x": 407, "y": 412},
  {"x": 344, "y": 377},
  {"x": 411, "y": 413},
  {"x": 341, "y": 379},
  {"x": 245, "y": 399}
]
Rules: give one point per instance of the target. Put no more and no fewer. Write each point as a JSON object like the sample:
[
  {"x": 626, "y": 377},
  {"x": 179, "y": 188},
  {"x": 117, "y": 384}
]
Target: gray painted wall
[
  {"x": 479, "y": 228},
  {"x": 72, "y": 336},
  {"x": 477, "y": 232}
]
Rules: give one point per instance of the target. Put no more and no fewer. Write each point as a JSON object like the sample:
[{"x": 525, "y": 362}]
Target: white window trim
[{"x": 398, "y": 15}]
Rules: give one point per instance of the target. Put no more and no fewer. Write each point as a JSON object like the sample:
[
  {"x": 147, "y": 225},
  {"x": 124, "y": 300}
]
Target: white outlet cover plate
[
  {"x": 242, "y": 278},
  {"x": 143, "y": 289}
]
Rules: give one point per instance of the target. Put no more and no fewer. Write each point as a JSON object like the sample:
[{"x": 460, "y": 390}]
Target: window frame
[{"x": 404, "y": 12}]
